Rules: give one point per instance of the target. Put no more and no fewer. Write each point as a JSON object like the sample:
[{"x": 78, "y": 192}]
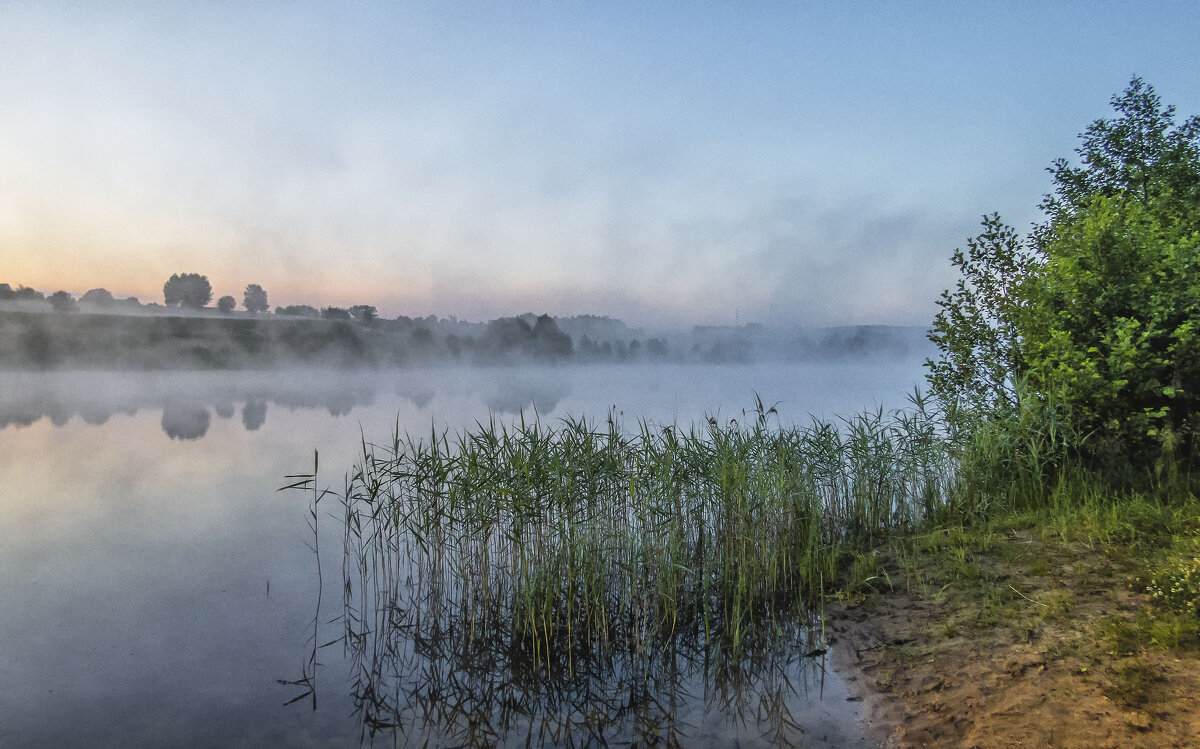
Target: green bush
[
  {"x": 1110, "y": 327},
  {"x": 1095, "y": 313}
]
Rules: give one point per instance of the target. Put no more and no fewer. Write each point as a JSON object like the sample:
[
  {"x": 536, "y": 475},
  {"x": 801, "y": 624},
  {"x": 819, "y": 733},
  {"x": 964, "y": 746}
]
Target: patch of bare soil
[{"x": 1027, "y": 647}]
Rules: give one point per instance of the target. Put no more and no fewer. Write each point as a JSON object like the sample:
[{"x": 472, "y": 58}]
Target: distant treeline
[
  {"x": 49, "y": 340},
  {"x": 37, "y": 340},
  {"x": 98, "y": 331}
]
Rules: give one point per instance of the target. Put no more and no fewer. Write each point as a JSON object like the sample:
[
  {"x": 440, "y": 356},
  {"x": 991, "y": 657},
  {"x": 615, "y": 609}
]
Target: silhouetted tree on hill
[
  {"x": 21, "y": 293},
  {"x": 62, "y": 302},
  {"x": 505, "y": 333},
  {"x": 548, "y": 339},
  {"x": 364, "y": 313},
  {"x": 226, "y": 303},
  {"x": 255, "y": 299},
  {"x": 187, "y": 290},
  {"x": 98, "y": 297},
  {"x": 300, "y": 310},
  {"x": 543, "y": 339}
]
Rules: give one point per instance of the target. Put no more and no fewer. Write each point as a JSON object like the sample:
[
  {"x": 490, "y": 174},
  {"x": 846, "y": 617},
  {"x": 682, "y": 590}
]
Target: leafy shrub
[{"x": 1095, "y": 311}]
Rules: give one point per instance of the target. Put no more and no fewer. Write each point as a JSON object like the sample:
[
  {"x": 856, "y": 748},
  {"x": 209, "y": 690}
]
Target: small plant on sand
[{"x": 1175, "y": 586}]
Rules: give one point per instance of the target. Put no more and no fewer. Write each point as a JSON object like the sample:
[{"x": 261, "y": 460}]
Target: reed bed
[
  {"x": 575, "y": 533},
  {"x": 518, "y": 560}
]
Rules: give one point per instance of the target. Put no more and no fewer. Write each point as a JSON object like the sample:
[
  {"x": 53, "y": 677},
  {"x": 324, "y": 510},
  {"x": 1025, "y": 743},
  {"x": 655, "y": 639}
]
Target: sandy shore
[{"x": 1015, "y": 658}]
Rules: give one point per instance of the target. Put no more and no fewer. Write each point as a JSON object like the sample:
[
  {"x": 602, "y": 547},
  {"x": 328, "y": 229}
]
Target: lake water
[{"x": 156, "y": 588}]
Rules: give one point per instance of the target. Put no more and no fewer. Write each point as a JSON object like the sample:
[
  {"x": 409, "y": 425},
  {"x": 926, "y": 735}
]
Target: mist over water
[{"x": 157, "y": 586}]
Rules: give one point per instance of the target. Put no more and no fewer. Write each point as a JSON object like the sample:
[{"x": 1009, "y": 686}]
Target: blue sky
[{"x": 662, "y": 162}]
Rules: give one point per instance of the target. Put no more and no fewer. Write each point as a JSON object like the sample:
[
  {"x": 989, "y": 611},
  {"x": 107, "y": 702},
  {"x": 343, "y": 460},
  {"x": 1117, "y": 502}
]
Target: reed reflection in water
[{"x": 422, "y": 677}]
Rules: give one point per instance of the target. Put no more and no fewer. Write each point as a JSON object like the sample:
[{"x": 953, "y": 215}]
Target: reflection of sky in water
[
  {"x": 134, "y": 568},
  {"x": 134, "y": 571}
]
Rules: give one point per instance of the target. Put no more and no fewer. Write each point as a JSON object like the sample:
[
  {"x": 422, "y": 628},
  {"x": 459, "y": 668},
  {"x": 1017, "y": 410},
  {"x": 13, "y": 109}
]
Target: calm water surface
[{"x": 156, "y": 588}]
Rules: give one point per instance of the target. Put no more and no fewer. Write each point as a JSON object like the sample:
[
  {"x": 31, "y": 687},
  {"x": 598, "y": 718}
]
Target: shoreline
[{"x": 881, "y": 715}]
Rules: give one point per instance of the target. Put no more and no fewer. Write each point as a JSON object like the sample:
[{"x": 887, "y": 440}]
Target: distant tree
[
  {"x": 63, "y": 302},
  {"x": 24, "y": 293},
  {"x": 98, "y": 297},
  {"x": 364, "y": 313},
  {"x": 226, "y": 304},
  {"x": 588, "y": 347},
  {"x": 548, "y": 339},
  {"x": 255, "y": 299},
  {"x": 421, "y": 336},
  {"x": 187, "y": 290},
  {"x": 299, "y": 310},
  {"x": 173, "y": 290},
  {"x": 37, "y": 344},
  {"x": 505, "y": 333},
  {"x": 6, "y": 292},
  {"x": 335, "y": 313}
]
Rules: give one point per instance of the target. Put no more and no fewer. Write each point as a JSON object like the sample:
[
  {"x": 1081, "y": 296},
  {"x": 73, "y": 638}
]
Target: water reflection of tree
[
  {"x": 340, "y": 403},
  {"x": 185, "y": 421},
  {"x": 95, "y": 415},
  {"x": 95, "y": 397},
  {"x": 513, "y": 395},
  {"x": 254, "y": 414}
]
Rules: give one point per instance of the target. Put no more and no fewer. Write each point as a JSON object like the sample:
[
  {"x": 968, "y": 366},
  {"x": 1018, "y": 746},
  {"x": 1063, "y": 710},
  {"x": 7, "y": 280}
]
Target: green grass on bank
[
  {"x": 1104, "y": 584},
  {"x": 1149, "y": 543}
]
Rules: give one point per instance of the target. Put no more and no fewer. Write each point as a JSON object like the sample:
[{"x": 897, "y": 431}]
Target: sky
[{"x": 666, "y": 163}]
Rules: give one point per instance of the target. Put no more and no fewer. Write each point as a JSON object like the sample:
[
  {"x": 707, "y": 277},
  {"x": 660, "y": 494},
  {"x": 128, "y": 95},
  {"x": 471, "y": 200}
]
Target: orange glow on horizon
[{"x": 141, "y": 275}]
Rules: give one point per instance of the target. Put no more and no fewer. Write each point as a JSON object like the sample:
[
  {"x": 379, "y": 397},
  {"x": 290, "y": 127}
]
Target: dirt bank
[{"x": 1013, "y": 639}]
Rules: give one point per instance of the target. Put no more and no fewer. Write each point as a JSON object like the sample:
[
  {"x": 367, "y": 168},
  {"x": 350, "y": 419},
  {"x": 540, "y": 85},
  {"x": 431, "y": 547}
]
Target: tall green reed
[{"x": 579, "y": 538}]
